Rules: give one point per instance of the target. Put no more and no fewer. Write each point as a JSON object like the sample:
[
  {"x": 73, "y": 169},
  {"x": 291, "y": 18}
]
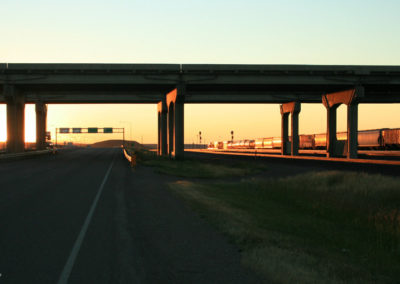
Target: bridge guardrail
[{"x": 130, "y": 158}]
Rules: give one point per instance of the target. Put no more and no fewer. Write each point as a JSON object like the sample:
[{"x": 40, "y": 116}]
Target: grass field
[
  {"x": 329, "y": 227},
  {"x": 191, "y": 168},
  {"x": 320, "y": 227},
  {"x": 196, "y": 169}
]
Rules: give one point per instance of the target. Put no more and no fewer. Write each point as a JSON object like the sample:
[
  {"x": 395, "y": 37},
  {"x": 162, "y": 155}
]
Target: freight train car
[
  {"x": 307, "y": 141},
  {"x": 367, "y": 139},
  {"x": 391, "y": 138}
]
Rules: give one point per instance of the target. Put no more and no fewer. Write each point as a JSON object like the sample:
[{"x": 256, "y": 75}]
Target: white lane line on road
[{"x": 75, "y": 250}]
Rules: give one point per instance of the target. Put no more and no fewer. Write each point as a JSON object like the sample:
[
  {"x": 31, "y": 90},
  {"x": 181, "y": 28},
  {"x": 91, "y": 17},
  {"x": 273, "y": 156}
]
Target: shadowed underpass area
[{"x": 83, "y": 216}]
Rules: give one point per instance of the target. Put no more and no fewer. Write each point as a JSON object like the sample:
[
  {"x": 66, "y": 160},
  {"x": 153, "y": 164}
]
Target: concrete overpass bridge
[{"x": 173, "y": 85}]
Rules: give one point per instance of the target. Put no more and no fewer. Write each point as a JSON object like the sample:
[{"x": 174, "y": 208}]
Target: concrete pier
[
  {"x": 292, "y": 108},
  {"x": 41, "y": 125},
  {"x": 175, "y": 104},
  {"x": 332, "y": 101},
  {"x": 331, "y": 139},
  {"x": 285, "y": 148},
  {"x": 170, "y": 131},
  {"x": 15, "y": 119},
  {"x": 295, "y": 133},
  {"x": 352, "y": 130},
  {"x": 162, "y": 148}
]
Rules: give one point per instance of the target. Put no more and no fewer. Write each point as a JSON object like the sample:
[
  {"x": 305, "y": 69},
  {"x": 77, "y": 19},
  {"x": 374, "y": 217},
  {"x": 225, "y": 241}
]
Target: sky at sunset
[{"x": 219, "y": 31}]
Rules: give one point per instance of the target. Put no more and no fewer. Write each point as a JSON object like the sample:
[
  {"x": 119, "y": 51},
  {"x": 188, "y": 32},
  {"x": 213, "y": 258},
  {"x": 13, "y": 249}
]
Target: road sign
[
  {"x": 76, "y": 130},
  {"x": 93, "y": 130},
  {"x": 64, "y": 130},
  {"x": 108, "y": 130}
]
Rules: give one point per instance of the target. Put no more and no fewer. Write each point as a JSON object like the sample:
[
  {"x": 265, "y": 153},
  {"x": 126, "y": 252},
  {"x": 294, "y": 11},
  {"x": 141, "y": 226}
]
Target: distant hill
[{"x": 114, "y": 143}]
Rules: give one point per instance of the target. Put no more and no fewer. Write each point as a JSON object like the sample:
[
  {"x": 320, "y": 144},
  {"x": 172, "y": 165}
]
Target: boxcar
[
  {"x": 306, "y": 141},
  {"x": 391, "y": 138}
]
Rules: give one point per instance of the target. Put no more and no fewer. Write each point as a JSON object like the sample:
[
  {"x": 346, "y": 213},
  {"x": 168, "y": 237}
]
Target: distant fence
[
  {"x": 187, "y": 146},
  {"x": 195, "y": 146}
]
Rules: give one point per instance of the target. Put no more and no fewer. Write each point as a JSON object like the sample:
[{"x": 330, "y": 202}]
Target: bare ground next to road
[{"x": 169, "y": 242}]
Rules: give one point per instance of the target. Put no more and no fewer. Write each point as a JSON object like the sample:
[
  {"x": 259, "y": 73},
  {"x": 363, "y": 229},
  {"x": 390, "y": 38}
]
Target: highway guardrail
[
  {"x": 130, "y": 158},
  {"x": 16, "y": 156}
]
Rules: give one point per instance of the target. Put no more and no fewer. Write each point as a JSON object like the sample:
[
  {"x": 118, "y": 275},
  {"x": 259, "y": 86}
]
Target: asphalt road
[{"x": 83, "y": 216}]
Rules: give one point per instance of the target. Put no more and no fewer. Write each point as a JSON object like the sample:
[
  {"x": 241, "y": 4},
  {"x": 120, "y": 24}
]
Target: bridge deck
[{"x": 205, "y": 83}]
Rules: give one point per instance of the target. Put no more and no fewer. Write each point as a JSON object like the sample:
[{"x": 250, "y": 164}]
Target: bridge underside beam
[
  {"x": 280, "y": 96},
  {"x": 106, "y": 96},
  {"x": 198, "y": 94}
]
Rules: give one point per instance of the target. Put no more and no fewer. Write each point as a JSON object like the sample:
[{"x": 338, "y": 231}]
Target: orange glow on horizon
[
  {"x": 249, "y": 121},
  {"x": 3, "y": 123},
  {"x": 30, "y": 123}
]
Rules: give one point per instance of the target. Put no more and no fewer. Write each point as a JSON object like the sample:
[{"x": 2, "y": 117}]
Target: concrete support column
[
  {"x": 179, "y": 130},
  {"x": 295, "y": 133},
  {"x": 285, "y": 150},
  {"x": 158, "y": 133},
  {"x": 175, "y": 103},
  {"x": 162, "y": 128},
  {"x": 15, "y": 120},
  {"x": 352, "y": 130},
  {"x": 171, "y": 124},
  {"x": 332, "y": 102},
  {"x": 41, "y": 125},
  {"x": 292, "y": 108},
  {"x": 331, "y": 131}
]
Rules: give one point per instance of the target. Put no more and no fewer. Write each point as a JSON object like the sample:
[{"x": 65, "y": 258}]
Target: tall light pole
[
  {"x": 200, "y": 139},
  {"x": 130, "y": 129}
]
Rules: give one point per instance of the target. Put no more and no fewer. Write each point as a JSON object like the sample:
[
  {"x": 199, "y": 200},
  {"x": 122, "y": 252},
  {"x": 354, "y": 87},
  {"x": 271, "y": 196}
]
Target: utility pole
[
  {"x": 130, "y": 138},
  {"x": 200, "y": 138}
]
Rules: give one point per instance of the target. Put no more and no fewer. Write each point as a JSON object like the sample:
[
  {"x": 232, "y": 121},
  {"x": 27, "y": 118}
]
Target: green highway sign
[
  {"x": 93, "y": 130},
  {"x": 64, "y": 130},
  {"x": 108, "y": 130}
]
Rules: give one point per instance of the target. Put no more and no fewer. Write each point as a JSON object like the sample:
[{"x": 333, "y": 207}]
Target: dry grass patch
[
  {"x": 197, "y": 169},
  {"x": 329, "y": 227}
]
